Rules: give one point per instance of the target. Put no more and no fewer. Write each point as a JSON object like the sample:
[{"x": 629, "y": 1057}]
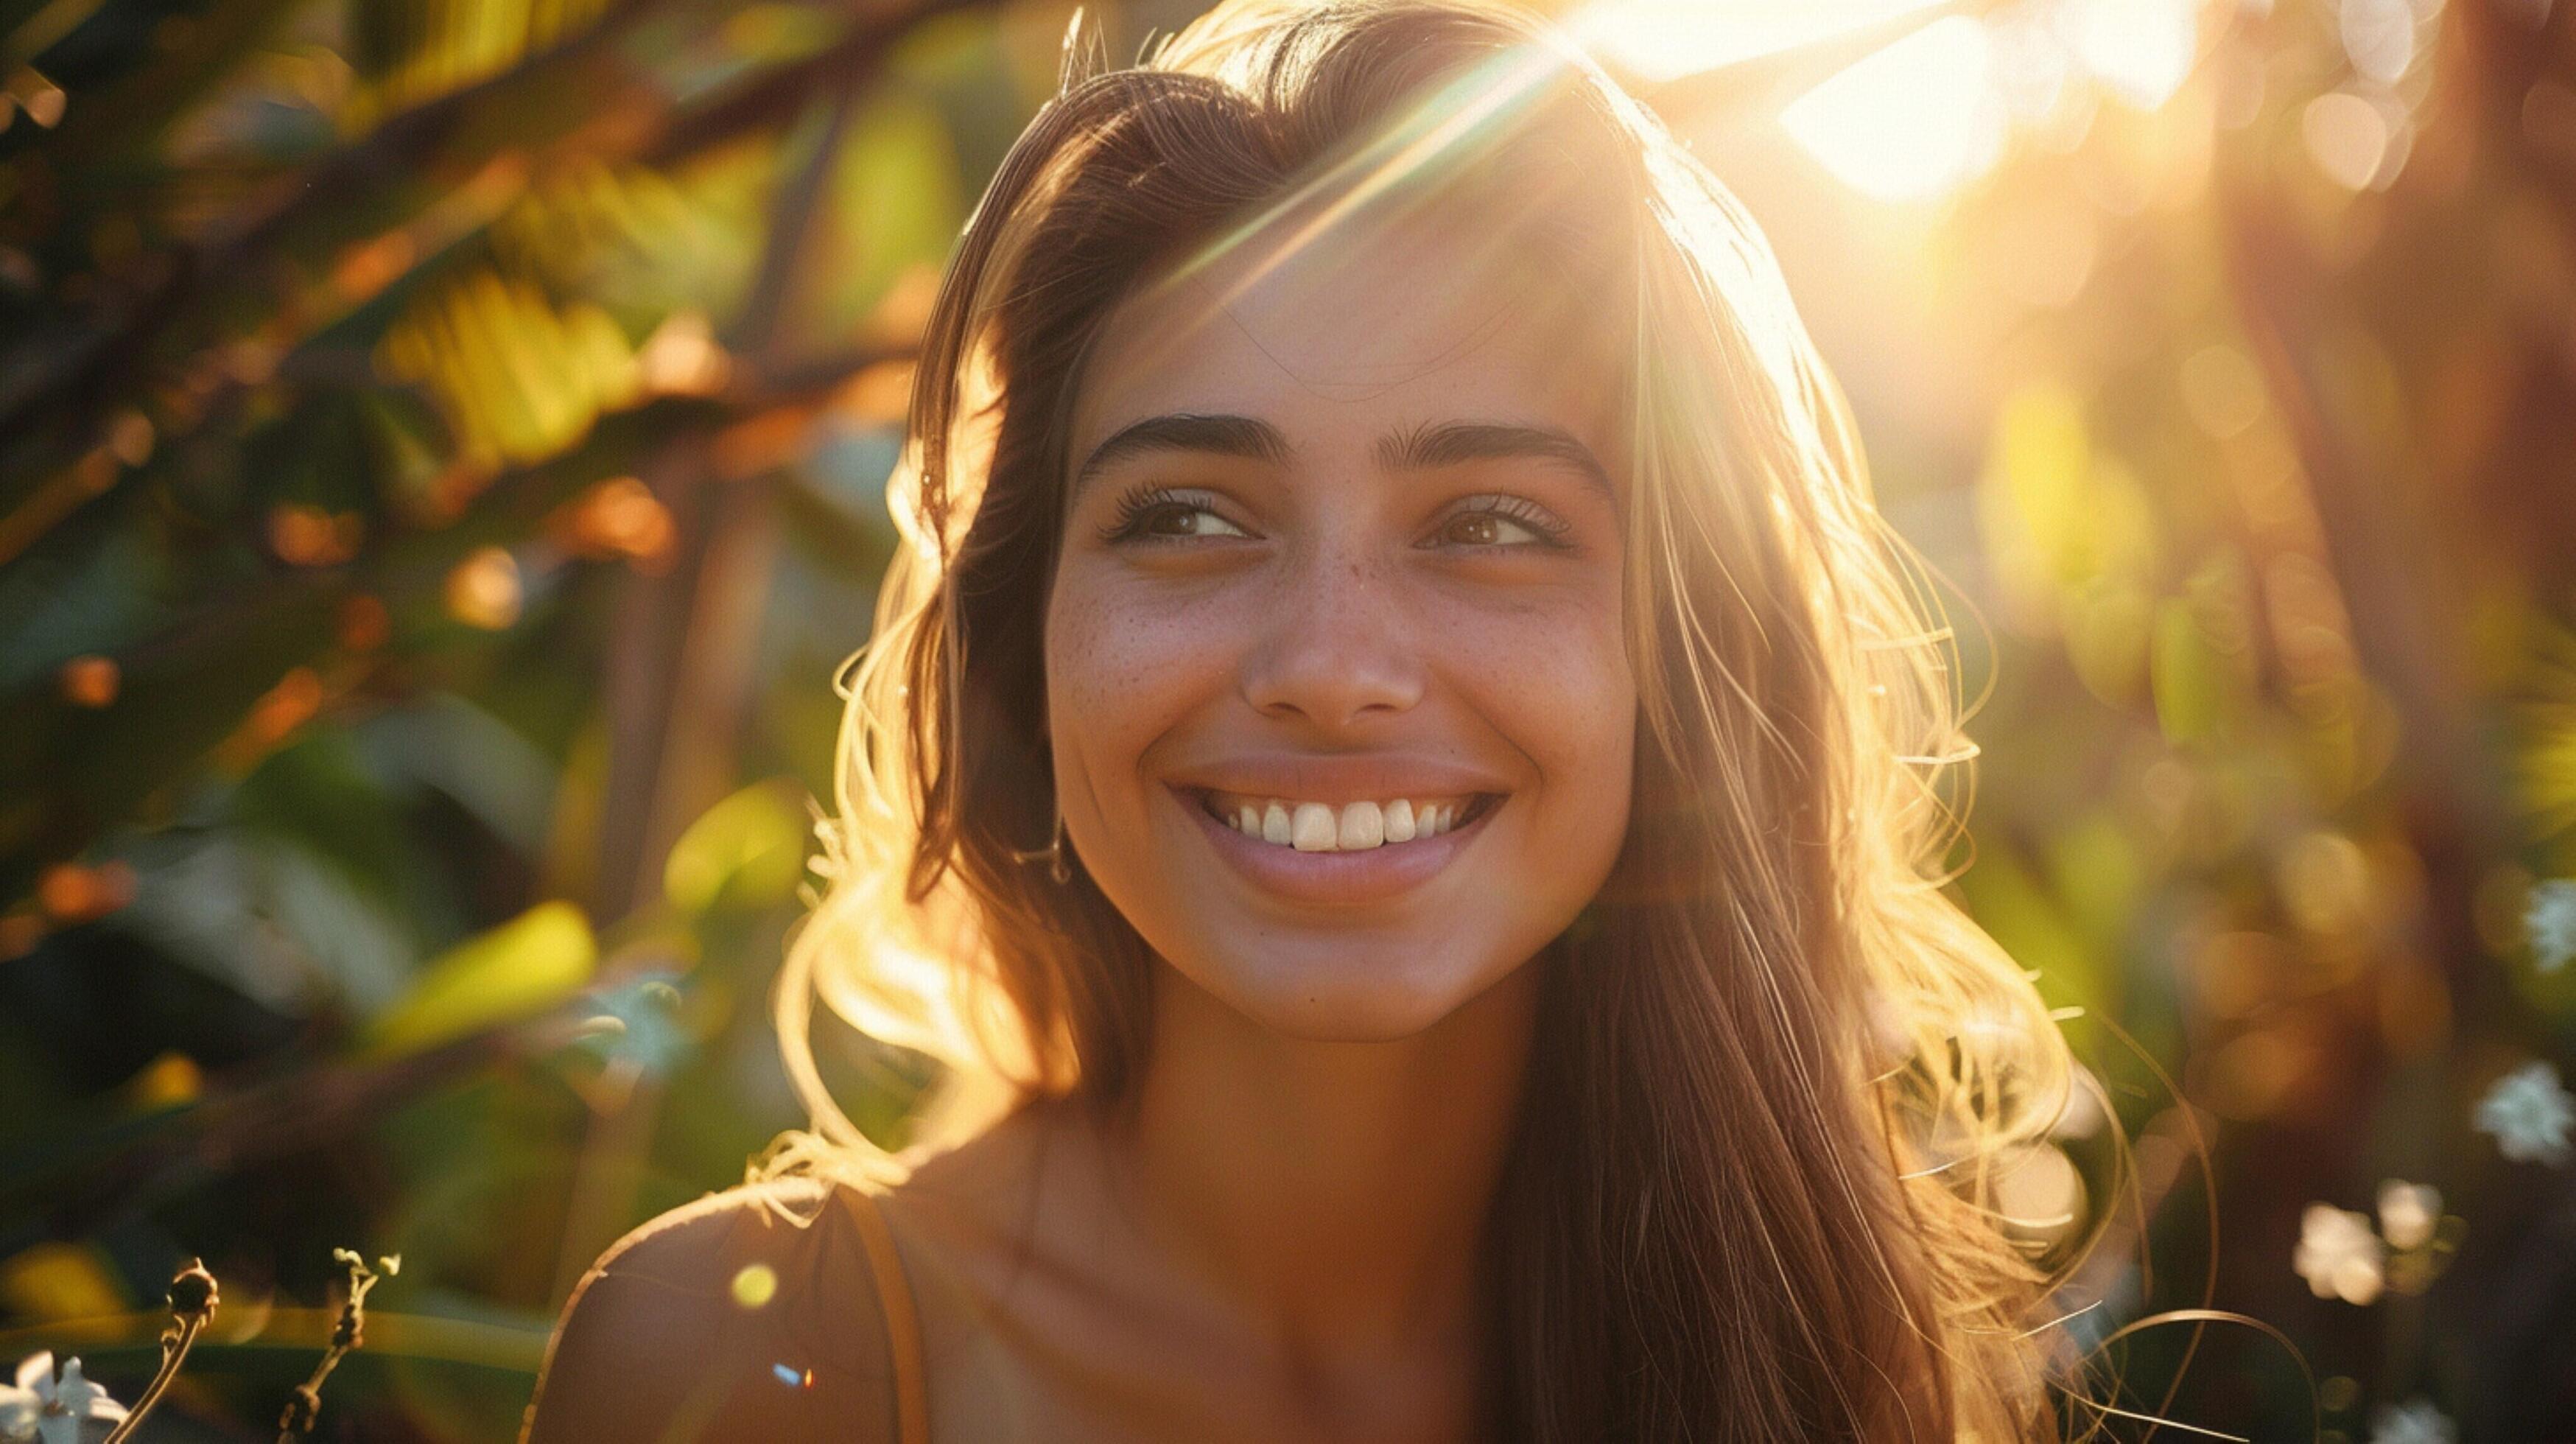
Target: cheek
[
  {"x": 1554, "y": 678},
  {"x": 1124, "y": 667},
  {"x": 1577, "y": 714}
]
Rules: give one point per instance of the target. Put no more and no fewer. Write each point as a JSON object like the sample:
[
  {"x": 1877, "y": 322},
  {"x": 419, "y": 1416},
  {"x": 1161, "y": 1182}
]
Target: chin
[{"x": 1347, "y": 999}]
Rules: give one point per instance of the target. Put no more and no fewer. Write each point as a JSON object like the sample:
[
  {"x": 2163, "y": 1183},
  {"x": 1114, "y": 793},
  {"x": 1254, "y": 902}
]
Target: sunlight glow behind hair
[
  {"x": 2141, "y": 49},
  {"x": 1933, "y": 109},
  {"x": 1910, "y": 122},
  {"x": 1666, "y": 39}
]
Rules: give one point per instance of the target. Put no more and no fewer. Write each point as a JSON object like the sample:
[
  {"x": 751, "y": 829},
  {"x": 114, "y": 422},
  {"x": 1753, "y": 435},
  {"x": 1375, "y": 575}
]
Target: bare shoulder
[
  {"x": 1046, "y": 1314},
  {"x": 1001, "y": 1243},
  {"x": 982, "y": 1192},
  {"x": 747, "y": 1314}
]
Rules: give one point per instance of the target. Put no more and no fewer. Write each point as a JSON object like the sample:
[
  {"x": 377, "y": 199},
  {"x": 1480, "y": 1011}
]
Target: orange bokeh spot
[
  {"x": 364, "y": 623},
  {"x": 70, "y": 892},
  {"x": 761, "y": 443},
  {"x": 308, "y": 536},
  {"x": 90, "y": 681},
  {"x": 619, "y": 517},
  {"x": 288, "y": 705},
  {"x": 483, "y": 590}
]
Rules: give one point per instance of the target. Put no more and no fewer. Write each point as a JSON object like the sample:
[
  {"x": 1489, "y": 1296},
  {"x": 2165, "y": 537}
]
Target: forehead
[{"x": 1315, "y": 327}]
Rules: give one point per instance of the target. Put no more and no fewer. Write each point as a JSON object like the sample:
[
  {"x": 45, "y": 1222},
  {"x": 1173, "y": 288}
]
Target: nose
[{"x": 1336, "y": 647}]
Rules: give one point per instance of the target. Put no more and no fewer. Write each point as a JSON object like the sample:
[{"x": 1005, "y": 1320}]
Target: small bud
[{"x": 192, "y": 1292}]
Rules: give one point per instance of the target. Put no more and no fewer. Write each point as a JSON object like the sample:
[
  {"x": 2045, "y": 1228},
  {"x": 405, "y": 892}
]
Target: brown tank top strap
[{"x": 903, "y": 1321}]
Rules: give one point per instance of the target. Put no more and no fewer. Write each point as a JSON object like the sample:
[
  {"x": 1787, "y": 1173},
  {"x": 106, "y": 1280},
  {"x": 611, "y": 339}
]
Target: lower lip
[{"x": 1327, "y": 879}]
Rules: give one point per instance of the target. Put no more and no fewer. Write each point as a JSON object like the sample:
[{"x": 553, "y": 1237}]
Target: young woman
[{"x": 1397, "y": 775}]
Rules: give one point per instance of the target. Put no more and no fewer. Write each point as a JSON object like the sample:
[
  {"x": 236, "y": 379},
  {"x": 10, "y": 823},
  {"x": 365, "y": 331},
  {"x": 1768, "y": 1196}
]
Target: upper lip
[{"x": 1313, "y": 777}]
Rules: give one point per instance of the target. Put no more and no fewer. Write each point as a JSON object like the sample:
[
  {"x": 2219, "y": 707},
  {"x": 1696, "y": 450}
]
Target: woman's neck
[{"x": 1335, "y": 1192}]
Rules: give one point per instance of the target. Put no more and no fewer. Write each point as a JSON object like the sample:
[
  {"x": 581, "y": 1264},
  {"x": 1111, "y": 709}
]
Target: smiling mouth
[{"x": 1346, "y": 827}]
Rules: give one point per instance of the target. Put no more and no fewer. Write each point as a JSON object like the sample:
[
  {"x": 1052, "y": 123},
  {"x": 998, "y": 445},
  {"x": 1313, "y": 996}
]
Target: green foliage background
[{"x": 442, "y": 450}]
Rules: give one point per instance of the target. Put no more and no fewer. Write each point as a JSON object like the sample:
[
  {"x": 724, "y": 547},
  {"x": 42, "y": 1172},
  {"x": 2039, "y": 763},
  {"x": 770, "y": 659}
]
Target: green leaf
[
  {"x": 894, "y": 206},
  {"x": 2018, "y": 911},
  {"x": 747, "y": 851},
  {"x": 515, "y": 971},
  {"x": 2190, "y": 687}
]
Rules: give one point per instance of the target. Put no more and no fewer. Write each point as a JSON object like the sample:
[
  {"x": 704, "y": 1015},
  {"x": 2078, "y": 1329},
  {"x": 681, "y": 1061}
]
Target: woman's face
[{"x": 1342, "y": 567}]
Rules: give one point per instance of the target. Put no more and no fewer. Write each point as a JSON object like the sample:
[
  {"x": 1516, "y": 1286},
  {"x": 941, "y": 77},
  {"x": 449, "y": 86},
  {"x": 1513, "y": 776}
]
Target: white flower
[
  {"x": 2338, "y": 1254},
  {"x": 2414, "y": 1422},
  {"x": 43, "y": 1408},
  {"x": 2529, "y": 1112},
  {"x": 2549, "y": 921},
  {"x": 2407, "y": 1212}
]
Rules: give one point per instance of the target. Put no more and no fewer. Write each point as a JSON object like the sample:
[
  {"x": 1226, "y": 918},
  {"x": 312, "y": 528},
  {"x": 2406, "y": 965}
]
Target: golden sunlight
[
  {"x": 1913, "y": 121},
  {"x": 2141, "y": 50},
  {"x": 1934, "y": 108},
  {"x": 1668, "y": 39}
]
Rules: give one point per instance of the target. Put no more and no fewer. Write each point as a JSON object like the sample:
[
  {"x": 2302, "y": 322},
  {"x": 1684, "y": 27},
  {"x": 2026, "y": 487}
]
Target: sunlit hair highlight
[{"x": 1778, "y": 1070}]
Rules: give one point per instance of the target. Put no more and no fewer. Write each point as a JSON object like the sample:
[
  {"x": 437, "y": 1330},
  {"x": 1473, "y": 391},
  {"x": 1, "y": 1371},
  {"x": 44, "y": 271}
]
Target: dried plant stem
[
  {"x": 174, "y": 1351},
  {"x": 305, "y": 1405},
  {"x": 192, "y": 1304}
]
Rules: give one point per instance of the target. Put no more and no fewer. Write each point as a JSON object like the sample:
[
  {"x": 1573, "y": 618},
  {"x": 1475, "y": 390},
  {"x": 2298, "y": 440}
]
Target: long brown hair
[{"x": 1777, "y": 1069}]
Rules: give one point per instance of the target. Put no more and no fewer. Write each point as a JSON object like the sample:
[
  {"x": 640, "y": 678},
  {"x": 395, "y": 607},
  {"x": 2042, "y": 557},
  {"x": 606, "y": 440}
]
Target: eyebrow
[
  {"x": 1248, "y": 437},
  {"x": 1420, "y": 449},
  {"x": 1453, "y": 442}
]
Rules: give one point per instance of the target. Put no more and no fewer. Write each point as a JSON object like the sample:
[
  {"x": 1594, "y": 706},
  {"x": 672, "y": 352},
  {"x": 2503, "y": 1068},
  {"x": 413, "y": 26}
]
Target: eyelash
[
  {"x": 1542, "y": 523},
  {"x": 1137, "y": 506}
]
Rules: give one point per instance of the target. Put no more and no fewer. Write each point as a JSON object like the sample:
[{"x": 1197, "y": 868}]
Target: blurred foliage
[
  {"x": 2234, "y": 399},
  {"x": 442, "y": 451}
]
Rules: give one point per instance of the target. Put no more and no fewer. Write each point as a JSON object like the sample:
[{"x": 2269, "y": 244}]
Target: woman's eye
[
  {"x": 1183, "y": 519},
  {"x": 1484, "y": 529},
  {"x": 1169, "y": 519},
  {"x": 1503, "y": 526}
]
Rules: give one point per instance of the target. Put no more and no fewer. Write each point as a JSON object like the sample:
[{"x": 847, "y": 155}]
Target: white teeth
[
  {"x": 1361, "y": 827},
  {"x": 1398, "y": 822},
  {"x": 1315, "y": 829},
  {"x": 1354, "y": 827}
]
